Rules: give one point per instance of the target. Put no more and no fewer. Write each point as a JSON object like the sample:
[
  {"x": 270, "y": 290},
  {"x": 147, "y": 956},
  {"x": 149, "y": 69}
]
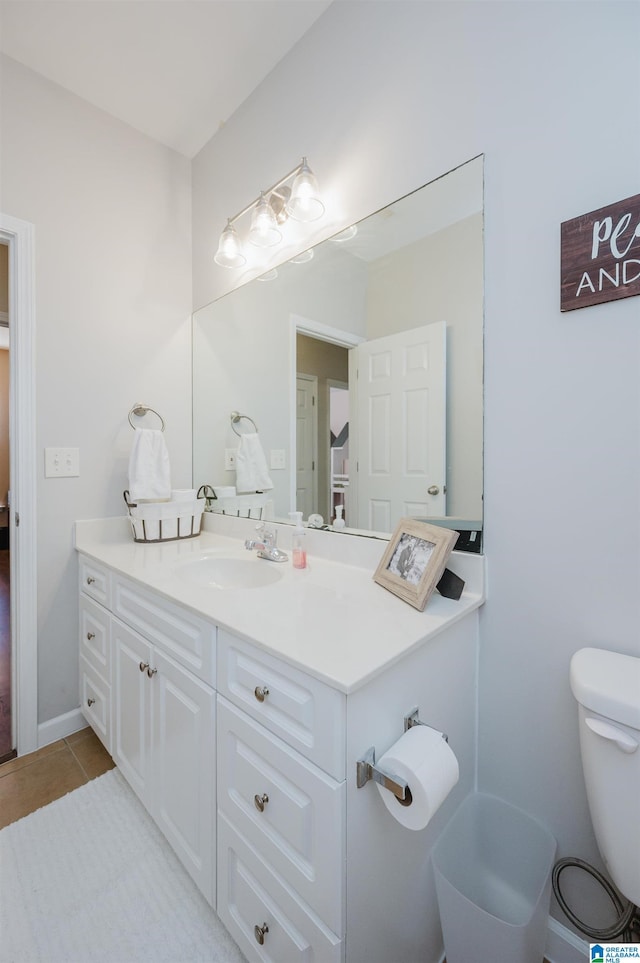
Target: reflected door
[
  {"x": 401, "y": 405},
  {"x": 306, "y": 445}
]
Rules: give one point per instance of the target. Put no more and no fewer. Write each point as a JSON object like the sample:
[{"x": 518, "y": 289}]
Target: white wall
[
  {"x": 112, "y": 216},
  {"x": 383, "y": 97}
]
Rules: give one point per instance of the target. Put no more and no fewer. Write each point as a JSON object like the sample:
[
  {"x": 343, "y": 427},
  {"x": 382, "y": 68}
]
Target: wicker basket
[{"x": 164, "y": 521}]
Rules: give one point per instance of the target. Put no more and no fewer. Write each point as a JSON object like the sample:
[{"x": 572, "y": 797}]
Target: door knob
[{"x": 433, "y": 490}]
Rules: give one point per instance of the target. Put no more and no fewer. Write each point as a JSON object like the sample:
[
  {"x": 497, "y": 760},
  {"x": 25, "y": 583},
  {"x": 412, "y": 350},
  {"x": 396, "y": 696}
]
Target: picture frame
[{"x": 413, "y": 563}]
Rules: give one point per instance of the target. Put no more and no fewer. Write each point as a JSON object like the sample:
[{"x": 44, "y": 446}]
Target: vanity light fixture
[{"x": 295, "y": 196}]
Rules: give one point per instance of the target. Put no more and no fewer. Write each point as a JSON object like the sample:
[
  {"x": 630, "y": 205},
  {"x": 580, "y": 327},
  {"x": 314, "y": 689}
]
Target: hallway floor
[{"x": 29, "y": 782}]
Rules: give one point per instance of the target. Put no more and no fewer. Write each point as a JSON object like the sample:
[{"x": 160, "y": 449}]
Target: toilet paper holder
[{"x": 366, "y": 768}]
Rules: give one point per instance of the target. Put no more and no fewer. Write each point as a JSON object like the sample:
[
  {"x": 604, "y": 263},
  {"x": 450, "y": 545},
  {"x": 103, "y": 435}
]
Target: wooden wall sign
[{"x": 600, "y": 255}]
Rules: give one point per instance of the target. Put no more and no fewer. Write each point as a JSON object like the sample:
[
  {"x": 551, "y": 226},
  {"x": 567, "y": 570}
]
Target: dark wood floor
[{"x": 5, "y": 656}]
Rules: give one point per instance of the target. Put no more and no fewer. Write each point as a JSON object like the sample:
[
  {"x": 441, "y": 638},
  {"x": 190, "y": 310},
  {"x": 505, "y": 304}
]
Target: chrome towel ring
[
  {"x": 236, "y": 417},
  {"x": 141, "y": 410}
]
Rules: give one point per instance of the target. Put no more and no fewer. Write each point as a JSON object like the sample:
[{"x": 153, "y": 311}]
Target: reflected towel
[
  {"x": 251, "y": 466},
  {"x": 149, "y": 470}
]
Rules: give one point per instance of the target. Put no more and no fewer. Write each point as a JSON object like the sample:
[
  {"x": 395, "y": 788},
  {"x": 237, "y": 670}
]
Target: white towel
[
  {"x": 251, "y": 466},
  {"x": 149, "y": 470}
]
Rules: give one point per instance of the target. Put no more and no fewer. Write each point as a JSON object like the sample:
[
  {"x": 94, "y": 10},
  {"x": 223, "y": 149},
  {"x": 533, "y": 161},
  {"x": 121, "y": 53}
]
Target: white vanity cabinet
[
  {"x": 162, "y": 714},
  {"x": 95, "y": 650},
  {"x": 281, "y": 816}
]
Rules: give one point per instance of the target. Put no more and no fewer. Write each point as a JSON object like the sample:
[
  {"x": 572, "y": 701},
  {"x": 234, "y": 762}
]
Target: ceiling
[{"x": 173, "y": 69}]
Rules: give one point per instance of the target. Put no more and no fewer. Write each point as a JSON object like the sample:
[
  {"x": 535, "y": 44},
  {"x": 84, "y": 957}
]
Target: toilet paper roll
[{"x": 428, "y": 765}]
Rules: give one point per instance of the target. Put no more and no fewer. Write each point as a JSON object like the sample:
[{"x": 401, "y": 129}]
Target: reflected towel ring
[
  {"x": 236, "y": 416},
  {"x": 141, "y": 410}
]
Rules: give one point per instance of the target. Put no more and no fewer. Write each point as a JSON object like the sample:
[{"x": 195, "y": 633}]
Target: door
[
  {"x": 183, "y": 753},
  {"x": 306, "y": 444},
  {"x": 132, "y": 707},
  {"x": 401, "y": 418}
]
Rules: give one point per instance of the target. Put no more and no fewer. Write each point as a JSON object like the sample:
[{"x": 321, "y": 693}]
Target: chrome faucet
[{"x": 266, "y": 544}]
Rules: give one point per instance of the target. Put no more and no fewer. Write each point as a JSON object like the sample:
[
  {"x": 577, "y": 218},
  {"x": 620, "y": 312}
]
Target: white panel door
[
  {"x": 183, "y": 767},
  {"x": 401, "y": 418},
  {"x": 131, "y": 707},
  {"x": 306, "y": 445}
]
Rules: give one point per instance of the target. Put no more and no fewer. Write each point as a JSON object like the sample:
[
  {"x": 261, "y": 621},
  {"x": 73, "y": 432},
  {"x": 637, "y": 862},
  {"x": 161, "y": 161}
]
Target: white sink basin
[{"x": 220, "y": 572}]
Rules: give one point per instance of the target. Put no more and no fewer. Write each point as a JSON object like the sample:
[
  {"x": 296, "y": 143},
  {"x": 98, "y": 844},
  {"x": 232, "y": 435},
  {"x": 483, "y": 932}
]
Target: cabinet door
[
  {"x": 183, "y": 754},
  {"x": 131, "y": 707}
]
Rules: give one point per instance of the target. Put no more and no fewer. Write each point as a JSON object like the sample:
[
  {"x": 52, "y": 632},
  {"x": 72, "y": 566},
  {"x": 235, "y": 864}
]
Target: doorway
[
  {"x": 17, "y": 237},
  {"x": 6, "y": 735}
]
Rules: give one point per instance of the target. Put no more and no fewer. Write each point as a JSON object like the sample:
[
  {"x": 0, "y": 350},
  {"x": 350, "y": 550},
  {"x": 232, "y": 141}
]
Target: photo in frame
[{"x": 414, "y": 560}]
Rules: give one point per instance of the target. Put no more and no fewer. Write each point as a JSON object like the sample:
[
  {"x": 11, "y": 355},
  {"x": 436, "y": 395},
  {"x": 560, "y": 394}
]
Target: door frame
[
  {"x": 321, "y": 332},
  {"x": 20, "y": 237},
  {"x": 313, "y": 381}
]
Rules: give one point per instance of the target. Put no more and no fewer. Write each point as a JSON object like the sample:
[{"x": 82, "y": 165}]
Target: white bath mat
[{"x": 91, "y": 878}]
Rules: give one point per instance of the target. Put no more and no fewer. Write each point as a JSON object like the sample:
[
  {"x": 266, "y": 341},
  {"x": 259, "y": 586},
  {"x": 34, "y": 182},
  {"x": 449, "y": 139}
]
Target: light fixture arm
[{"x": 269, "y": 190}]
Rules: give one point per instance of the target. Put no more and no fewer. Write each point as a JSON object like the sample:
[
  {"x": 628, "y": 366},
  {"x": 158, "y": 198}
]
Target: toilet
[{"x": 606, "y": 686}]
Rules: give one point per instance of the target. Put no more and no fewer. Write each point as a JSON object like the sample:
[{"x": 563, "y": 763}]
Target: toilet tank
[{"x": 606, "y": 686}]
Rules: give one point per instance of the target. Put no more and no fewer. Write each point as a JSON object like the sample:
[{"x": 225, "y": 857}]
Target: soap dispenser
[
  {"x": 299, "y": 551},
  {"x": 338, "y": 522}
]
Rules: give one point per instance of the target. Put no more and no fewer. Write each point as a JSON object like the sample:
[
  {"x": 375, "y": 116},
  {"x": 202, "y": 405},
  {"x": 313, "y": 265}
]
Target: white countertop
[{"x": 330, "y": 620}]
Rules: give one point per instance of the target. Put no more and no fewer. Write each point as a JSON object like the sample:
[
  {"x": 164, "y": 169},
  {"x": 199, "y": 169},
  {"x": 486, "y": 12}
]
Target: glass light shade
[
  {"x": 302, "y": 258},
  {"x": 304, "y": 203},
  {"x": 229, "y": 253},
  {"x": 346, "y": 235},
  {"x": 264, "y": 229}
]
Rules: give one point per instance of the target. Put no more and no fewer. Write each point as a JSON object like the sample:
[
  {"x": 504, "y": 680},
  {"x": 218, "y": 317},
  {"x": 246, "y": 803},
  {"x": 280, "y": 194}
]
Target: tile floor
[{"x": 29, "y": 782}]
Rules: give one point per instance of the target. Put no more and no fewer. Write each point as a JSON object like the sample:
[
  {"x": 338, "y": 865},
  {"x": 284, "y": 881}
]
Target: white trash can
[{"x": 493, "y": 867}]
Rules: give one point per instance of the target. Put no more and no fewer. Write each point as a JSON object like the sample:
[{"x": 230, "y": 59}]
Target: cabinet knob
[
  {"x": 91, "y": 635},
  {"x": 433, "y": 490},
  {"x": 90, "y": 702},
  {"x": 260, "y": 801},
  {"x": 261, "y": 692},
  {"x": 90, "y": 580},
  {"x": 151, "y": 672},
  {"x": 143, "y": 666},
  {"x": 259, "y": 932}
]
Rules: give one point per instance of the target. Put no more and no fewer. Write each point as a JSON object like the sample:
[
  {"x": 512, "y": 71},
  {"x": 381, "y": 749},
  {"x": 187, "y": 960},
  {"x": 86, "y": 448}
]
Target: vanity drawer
[
  {"x": 306, "y": 713},
  {"x": 250, "y": 896},
  {"x": 287, "y": 808},
  {"x": 95, "y": 637},
  {"x": 191, "y": 640},
  {"x": 95, "y": 580},
  {"x": 95, "y": 702}
]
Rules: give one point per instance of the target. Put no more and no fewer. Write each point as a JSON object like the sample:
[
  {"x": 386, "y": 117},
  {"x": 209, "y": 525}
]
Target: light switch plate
[
  {"x": 278, "y": 458},
  {"x": 230, "y": 458},
  {"x": 61, "y": 462}
]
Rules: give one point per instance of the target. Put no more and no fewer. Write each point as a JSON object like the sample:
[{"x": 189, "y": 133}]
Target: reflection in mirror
[{"x": 360, "y": 369}]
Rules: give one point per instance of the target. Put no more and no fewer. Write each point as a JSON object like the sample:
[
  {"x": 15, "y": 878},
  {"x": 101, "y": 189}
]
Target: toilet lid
[{"x": 607, "y": 683}]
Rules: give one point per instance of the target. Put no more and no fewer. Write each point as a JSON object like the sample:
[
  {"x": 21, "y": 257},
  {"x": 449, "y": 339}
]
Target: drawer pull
[
  {"x": 260, "y": 801},
  {"x": 143, "y": 666},
  {"x": 90, "y": 702},
  {"x": 261, "y": 692},
  {"x": 90, "y": 580},
  {"x": 90, "y": 635},
  {"x": 151, "y": 672},
  {"x": 259, "y": 932}
]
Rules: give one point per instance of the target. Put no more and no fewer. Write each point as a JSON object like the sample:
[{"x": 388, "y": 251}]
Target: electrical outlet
[
  {"x": 61, "y": 462},
  {"x": 230, "y": 459},
  {"x": 278, "y": 458}
]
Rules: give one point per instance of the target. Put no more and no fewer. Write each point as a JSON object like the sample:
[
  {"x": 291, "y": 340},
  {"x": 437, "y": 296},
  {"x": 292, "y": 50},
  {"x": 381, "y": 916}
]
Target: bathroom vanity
[{"x": 238, "y": 715}]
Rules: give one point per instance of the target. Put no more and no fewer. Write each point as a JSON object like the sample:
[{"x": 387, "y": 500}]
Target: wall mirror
[{"x": 360, "y": 365}]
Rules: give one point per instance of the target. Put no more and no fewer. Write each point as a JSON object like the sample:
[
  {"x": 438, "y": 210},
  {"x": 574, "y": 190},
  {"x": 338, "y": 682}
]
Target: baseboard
[
  {"x": 563, "y": 946},
  {"x": 61, "y": 726}
]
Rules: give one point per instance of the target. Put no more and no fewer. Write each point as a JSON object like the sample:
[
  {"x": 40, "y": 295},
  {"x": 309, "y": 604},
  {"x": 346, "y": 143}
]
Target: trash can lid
[{"x": 607, "y": 683}]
